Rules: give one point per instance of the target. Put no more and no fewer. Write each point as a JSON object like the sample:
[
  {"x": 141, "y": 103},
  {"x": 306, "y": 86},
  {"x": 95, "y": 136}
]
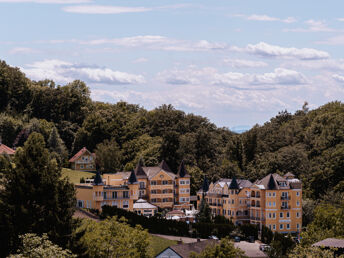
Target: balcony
[
  {"x": 285, "y": 207},
  {"x": 285, "y": 197},
  {"x": 98, "y": 198}
]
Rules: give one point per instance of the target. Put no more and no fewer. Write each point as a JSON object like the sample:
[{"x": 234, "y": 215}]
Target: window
[
  {"x": 142, "y": 185},
  {"x": 165, "y": 182},
  {"x": 80, "y": 204},
  {"x": 270, "y": 204},
  {"x": 297, "y": 225},
  {"x": 153, "y": 182},
  {"x": 81, "y": 166},
  {"x": 273, "y": 194},
  {"x": 274, "y": 204},
  {"x": 125, "y": 194},
  {"x": 125, "y": 204},
  {"x": 114, "y": 204},
  {"x": 270, "y": 227},
  {"x": 89, "y": 204},
  {"x": 281, "y": 226},
  {"x": 187, "y": 182},
  {"x": 281, "y": 214},
  {"x": 91, "y": 166},
  {"x": 232, "y": 201},
  {"x": 165, "y": 191},
  {"x": 297, "y": 214},
  {"x": 288, "y": 214},
  {"x": 274, "y": 227},
  {"x": 270, "y": 215},
  {"x": 153, "y": 200},
  {"x": 114, "y": 195},
  {"x": 274, "y": 215},
  {"x": 104, "y": 194},
  {"x": 288, "y": 226},
  {"x": 297, "y": 193},
  {"x": 165, "y": 200},
  {"x": 297, "y": 203},
  {"x": 269, "y": 194},
  {"x": 153, "y": 191}
]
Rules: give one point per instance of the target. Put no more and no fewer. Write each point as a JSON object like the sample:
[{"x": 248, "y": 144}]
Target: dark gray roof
[
  {"x": 164, "y": 166},
  {"x": 184, "y": 250},
  {"x": 132, "y": 178},
  {"x": 330, "y": 242},
  {"x": 182, "y": 172},
  {"x": 274, "y": 181}
]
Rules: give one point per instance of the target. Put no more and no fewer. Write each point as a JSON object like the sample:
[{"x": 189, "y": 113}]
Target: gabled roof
[
  {"x": 132, "y": 178},
  {"x": 153, "y": 171},
  {"x": 6, "y": 150},
  {"x": 164, "y": 166},
  {"x": 289, "y": 174},
  {"x": 241, "y": 183},
  {"x": 80, "y": 153},
  {"x": 274, "y": 181},
  {"x": 182, "y": 172}
]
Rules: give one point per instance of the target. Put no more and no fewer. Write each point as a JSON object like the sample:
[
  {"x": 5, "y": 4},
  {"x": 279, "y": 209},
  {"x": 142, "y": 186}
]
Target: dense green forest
[{"x": 308, "y": 143}]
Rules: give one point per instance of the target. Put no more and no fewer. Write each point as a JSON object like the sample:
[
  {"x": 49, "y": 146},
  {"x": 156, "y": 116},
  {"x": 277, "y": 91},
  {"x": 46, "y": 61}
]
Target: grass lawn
[
  {"x": 75, "y": 175},
  {"x": 158, "y": 244}
]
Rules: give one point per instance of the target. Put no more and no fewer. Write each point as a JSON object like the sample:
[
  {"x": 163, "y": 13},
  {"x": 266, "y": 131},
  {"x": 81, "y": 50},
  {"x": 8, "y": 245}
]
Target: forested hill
[{"x": 309, "y": 144}]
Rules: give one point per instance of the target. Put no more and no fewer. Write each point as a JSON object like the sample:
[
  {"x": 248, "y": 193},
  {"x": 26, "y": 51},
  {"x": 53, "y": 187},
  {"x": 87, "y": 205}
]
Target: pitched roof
[
  {"x": 98, "y": 179},
  {"x": 143, "y": 204},
  {"x": 289, "y": 174},
  {"x": 6, "y": 150},
  {"x": 242, "y": 183},
  {"x": 80, "y": 153},
  {"x": 234, "y": 184},
  {"x": 330, "y": 242},
  {"x": 164, "y": 166},
  {"x": 140, "y": 173},
  {"x": 184, "y": 250},
  {"x": 275, "y": 181},
  {"x": 153, "y": 171},
  {"x": 132, "y": 178},
  {"x": 182, "y": 172}
]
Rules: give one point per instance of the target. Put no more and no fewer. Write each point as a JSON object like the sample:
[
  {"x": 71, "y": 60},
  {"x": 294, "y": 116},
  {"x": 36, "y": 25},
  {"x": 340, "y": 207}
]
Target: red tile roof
[
  {"x": 6, "y": 150},
  {"x": 80, "y": 153}
]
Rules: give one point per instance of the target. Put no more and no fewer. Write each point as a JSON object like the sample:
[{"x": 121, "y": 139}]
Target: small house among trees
[{"x": 84, "y": 160}]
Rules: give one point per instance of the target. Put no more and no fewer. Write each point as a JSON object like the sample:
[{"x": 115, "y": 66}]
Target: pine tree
[
  {"x": 33, "y": 198},
  {"x": 204, "y": 214},
  {"x": 56, "y": 146}
]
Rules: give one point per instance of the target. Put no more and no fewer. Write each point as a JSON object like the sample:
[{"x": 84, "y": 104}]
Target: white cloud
[
  {"x": 62, "y": 72},
  {"x": 264, "y": 49},
  {"x": 266, "y": 18},
  {"x": 340, "y": 19},
  {"x": 242, "y": 63},
  {"x": 322, "y": 65},
  {"x": 112, "y": 9},
  {"x": 22, "y": 50},
  {"x": 210, "y": 76},
  {"x": 47, "y": 1},
  {"x": 103, "y": 9},
  {"x": 157, "y": 42},
  {"x": 337, "y": 40},
  {"x": 339, "y": 78},
  {"x": 313, "y": 26},
  {"x": 140, "y": 60}
]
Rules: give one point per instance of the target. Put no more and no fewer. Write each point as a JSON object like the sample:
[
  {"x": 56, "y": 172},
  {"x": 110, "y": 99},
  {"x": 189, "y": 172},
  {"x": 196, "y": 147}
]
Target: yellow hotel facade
[
  {"x": 274, "y": 201},
  {"x": 158, "y": 185}
]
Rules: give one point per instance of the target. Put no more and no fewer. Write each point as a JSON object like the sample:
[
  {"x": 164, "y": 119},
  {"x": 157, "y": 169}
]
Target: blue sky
[{"x": 236, "y": 62}]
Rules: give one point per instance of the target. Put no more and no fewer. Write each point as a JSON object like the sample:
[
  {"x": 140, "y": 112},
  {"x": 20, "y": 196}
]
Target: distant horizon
[{"x": 234, "y": 62}]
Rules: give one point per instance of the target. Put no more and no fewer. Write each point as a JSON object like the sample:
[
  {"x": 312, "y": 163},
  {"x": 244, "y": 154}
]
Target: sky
[{"x": 237, "y": 62}]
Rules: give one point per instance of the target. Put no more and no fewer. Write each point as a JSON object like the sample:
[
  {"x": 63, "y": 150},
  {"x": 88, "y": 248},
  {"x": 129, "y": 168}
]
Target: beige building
[
  {"x": 274, "y": 201},
  {"x": 158, "y": 185}
]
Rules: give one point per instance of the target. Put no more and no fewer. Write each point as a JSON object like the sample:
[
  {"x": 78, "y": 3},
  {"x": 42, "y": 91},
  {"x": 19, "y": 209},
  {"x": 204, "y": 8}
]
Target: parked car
[
  {"x": 214, "y": 237},
  {"x": 264, "y": 247},
  {"x": 236, "y": 239},
  {"x": 251, "y": 239}
]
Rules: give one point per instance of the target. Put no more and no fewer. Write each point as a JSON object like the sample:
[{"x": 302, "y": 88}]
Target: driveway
[{"x": 250, "y": 249}]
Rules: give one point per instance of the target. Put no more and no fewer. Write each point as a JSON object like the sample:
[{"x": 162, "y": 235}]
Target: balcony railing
[
  {"x": 285, "y": 197},
  {"x": 98, "y": 198}
]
